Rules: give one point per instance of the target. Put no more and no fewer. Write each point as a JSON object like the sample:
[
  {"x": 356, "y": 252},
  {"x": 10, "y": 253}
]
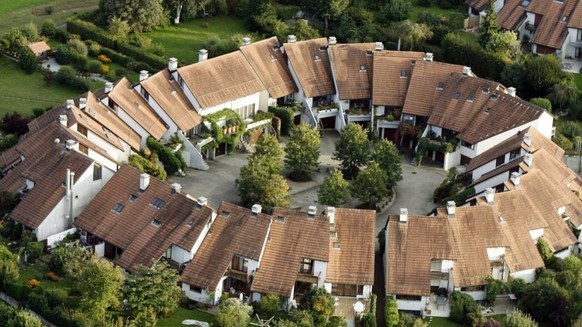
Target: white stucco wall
[
  {"x": 235, "y": 103},
  {"x": 477, "y": 295},
  {"x": 480, "y": 171},
  {"x": 492, "y": 182},
  {"x": 116, "y": 153},
  {"x": 320, "y": 270},
  {"x": 202, "y": 297},
  {"x": 529, "y": 276},
  {"x": 536, "y": 233},
  {"x": 179, "y": 254},
  {"x": 412, "y": 305},
  {"x": 143, "y": 134}
]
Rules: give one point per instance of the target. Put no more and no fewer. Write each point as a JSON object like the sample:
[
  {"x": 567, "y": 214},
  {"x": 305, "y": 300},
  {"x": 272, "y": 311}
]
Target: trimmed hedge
[
  {"x": 170, "y": 160},
  {"x": 142, "y": 55},
  {"x": 147, "y": 167},
  {"x": 286, "y": 116},
  {"x": 88, "y": 31}
]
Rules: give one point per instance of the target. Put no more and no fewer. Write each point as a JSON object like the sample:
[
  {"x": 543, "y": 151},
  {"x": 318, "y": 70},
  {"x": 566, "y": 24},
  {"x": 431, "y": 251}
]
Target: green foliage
[
  {"x": 541, "y": 72},
  {"x": 233, "y": 313},
  {"x": 545, "y": 301},
  {"x": 27, "y": 60},
  {"x": 48, "y": 29},
  {"x": 259, "y": 183},
  {"x": 494, "y": 288},
  {"x": 230, "y": 117},
  {"x": 118, "y": 29},
  {"x": 33, "y": 250},
  {"x": 320, "y": 305},
  {"x": 506, "y": 44},
  {"x": 462, "y": 305},
  {"x": 542, "y": 102},
  {"x": 8, "y": 201},
  {"x": 9, "y": 271},
  {"x": 145, "y": 318},
  {"x": 489, "y": 26},
  {"x": 171, "y": 161},
  {"x": 413, "y": 33},
  {"x": 268, "y": 146},
  {"x": 286, "y": 116},
  {"x": 391, "y": 311},
  {"x": 352, "y": 149},
  {"x": 545, "y": 252},
  {"x": 303, "y": 31},
  {"x": 335, "y": 190},
  {"x": 153, "y": 288},
  {"x": 147, "y": 166},
  {"x": 302, "y": 151},
  {"x": 268, "y": 305},
  {"x": 516, "y": 286},
  {"x": 99, "y": 284},
  {"x": 69, "y": 260},
  {"x": 68, "y": 75},
  {"x": 22, "y": 318},
  {"x": 396, "y": 10},
  {"x": 370, "y": 186},
  {"x": 141, "y": 15},
  {"x": 388, "y": 158},
  {"x": 563, "y": 142}
]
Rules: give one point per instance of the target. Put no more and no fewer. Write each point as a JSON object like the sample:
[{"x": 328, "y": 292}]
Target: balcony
[{"x": 530, "y": 27}]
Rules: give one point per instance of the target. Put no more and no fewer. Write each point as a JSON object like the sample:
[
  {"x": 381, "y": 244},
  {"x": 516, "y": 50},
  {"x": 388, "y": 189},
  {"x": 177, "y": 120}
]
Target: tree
[
  {"x": 190, "y": 7},
  {"x": 489, "y": 25},
  {"x": 396, "y": 10},
  {"x": 545, "y": 301},
  {"x": 9, "y": 271},
  {"x": 388, "y": 158},
  {"x": 370, "y": 186},
  {"x": 27, "y": 60},
  {"x": 335, "y": 190},
  {"x": 542, "y": 102},
  {"x": 99, "y": 284},
  {"x": 118, "y": 29},
  {"x": 23, "y": 318},
  {"x": 69, "y": 260},
  {"x": 517, "y": 318},
  {"x": 154, "y": 288},
  {"x": 141, "y": 15},
  {"x": 462, "y": 305},
  {"x": 268, "y": 146},
  {"x": 411, "y": 33},
  {"x": 327, "y": 9},
  {"x": 303, "y": 31},
  {"x": 268, "y": 305},
  {"x": 145, "y": 318},
  {"x": 319, "y": 304},
  {"x": 302, "y": 152},
  {"x": 14, "y": 123},
  {"x": 391, "y": 312},
  {"x": 259, "y": 183},
  {"x": 541, "y": 72},
  {"x": 233, "y": 313},
  {"x": 352, "y": 149},
  {"x": 506, "y": 44},
  {"x": 565, "y": 96}
]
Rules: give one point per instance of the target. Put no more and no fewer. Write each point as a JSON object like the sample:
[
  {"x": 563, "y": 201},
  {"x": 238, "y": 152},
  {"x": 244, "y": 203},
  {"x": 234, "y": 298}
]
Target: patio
[
  {"x": 438, "y": 306},
  {"x": 344, "y": 306},
  {"x": 571, "y": 65}
]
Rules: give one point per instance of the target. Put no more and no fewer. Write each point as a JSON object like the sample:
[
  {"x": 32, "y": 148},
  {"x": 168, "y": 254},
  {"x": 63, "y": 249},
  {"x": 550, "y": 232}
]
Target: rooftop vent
[
  {"x": 82, "y": 103},
  {"x": 172, "y": 64},
  {"x": 363, "y": 68},
  {"x": 489, "y": 195},
  {"x": 331, "y": 41},
  {"x": 202, "y": 201},
  {"x": 176, "y": 188},
  {"x": 379, "y": 46},
  {"x": 428, "y": 56},
  {"x": 511, "y": 91},
  {"x": 316, "y": 58},
  {"x": 403, "y": 218},
  {"x": 246, "y": 41},
  {"x": 143, "y": 75},
  {"x": 256, "y": 209},
  {"x": 63, "y": 119},
  {"x": 311, "y": 211},
  {"x": 70, "y": 103},
  {"x": 202, "y": 55},
  {"x": 291, "y": 38},
  {"x": 466, "y": 71},
  {"x": 451, "y": 208},
  {"x": 515, "y": 178},
  {"x": 70, "y": 144},
  {"x": 501, "y": 220}
]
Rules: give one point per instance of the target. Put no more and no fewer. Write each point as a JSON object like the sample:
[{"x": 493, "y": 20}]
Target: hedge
[
  {"x": 147, "y": 167},
  {"x": 286, "y": 116},
  {"x": 139, "y": 54},
  {"x": 88, "y": 31},
  {"x": 170, "y": 160}
]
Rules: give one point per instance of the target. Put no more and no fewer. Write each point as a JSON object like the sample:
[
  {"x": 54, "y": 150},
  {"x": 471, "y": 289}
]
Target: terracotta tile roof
[
  {"x": 392, "y": 76},
  {"x": 137, "y": 108},
  {"x": 552, "y": 30},
  {"x": 479, "y": 5},
  {"x": 422, "y": 92},
  {"x": 39, "y": 47},
  {"x": 169, "y": 96},
  {"x": 511, "y": 15},
  {"x": 122, "y": 228},
  {"x": 310, "y": 62},
  {"x": 498, "y": 170},
  {"x": 352, "y": 68},
  {"x": 353, "y": 262},
  {"x": 465, "y": 107},
  {"x": 48, "y": 175},
  {"x": 271, "y": 66},
  {"x": 575, "y": 19},
  {"x": 235, "y": 231},
  {"x": 181, "y": 222},
  {"x": 221, "y": 79},
  {"x": 291, "y": 240}
]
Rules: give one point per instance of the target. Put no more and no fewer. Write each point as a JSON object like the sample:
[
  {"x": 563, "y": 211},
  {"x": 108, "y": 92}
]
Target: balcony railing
[{"x": 530, "y": 27}]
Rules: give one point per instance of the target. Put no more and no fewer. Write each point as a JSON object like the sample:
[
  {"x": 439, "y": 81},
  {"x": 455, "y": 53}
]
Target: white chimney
[
  {"x": 143, "y": 75},
  {"x": 176, "y": 188},
  {"x": 527, "y": 139},
  {"x": 511, "y": 91},
  {"x": 528, "y": 159},
  {"x": 331, "y": 215},
  {"x": 70, "y": 103},
  {"x": 57, "y": 140},
  {"x": 108, "y": 87},
  {"x": 428, "y": 56},
  {"x": 202, "y": 201},
  {"x": 64, "y": 120},
  {"x": 82, "y": 103},
  {"x": 246, "y": 40},
  {"x": 144, "y": 181},
  {"x": 451, "y": 207},
  {"x": 403, "y": 215},
  {"x": 202, "y": 55},
  {"x": 489, "y": 195},
  {"x": 311, "y": 211},
  {"x": 71, "y": 145},
  {"x": 515, "y": 176},
  {"x": 331, "y": 41},
  {"x": 379, "y": 46},
  {"x": 256, "y": 209},
  {"x": 291, "y": 38},
  {"x": 466, "y": 71},
  {"x": 172, "y": 64}
]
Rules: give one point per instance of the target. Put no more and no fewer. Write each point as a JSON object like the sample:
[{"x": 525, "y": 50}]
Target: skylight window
[
  {"x": 487, "y": 110},
  {"x": 525, "y": 3},
  {"x": 156, "y": 222},
  {"x": 158, "y": 203},
  {"x": 332, "y": 234},
  {"x": 225, "y": 214},
  {"x": 413, "y": 62},
  {"x": 471, "y": 98},
  {"x": 403, "y": 73},
  {"x": 133, "y": 197},
  {"x": 118, "y": 207},
  {"x": 564, "y": 19},
  {"x": 280, "y": 219},
  {"x": 440, "y": 86},
  {"x": 336, "y": 245},
  {"x": 316, "y": 58},
  {"x": 457, "y": 95}
]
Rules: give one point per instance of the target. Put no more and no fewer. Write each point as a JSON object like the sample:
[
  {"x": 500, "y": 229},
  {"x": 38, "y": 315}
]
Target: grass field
[
  {"x": 22, "y": 92},
  {"x": 19, "y": 12},
  {"x": 417, "y": 10},
  {"x": 182, "y": 314},
  {"x": 184, "y": 40},
  {"x": 445, "y": 322},
  {"x": 577, "y": 80}
]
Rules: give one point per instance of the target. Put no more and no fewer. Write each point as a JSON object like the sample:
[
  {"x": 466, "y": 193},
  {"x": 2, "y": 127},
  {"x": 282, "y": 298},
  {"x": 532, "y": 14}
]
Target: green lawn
[
  {"x": 182, "y": 314},
  {"x": 577, "y": 80},
  {"x": 445, "y": 322},
  {"x": 417, "y": 10},
  {"x": 38, "y": 271},
  {"x": 22, "y": 92},
  {"x": 184, "y": 40},
  {"x": 19, "y": 12}
]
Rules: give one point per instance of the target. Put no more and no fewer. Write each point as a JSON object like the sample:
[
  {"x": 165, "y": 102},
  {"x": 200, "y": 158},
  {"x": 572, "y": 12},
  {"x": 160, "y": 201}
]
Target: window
[
  {"x": 145, "y": 93},
  {"x": 306, "y": 266},
  {"x": 132, "y": 198},
  {"x": 246, "y": 111},
  {"x": 158, "y": 203},
  {"x": 471, "y": 98},
  {"x": 473, "y": 288},
  {"x": 346, "y": 290},
  {"x": 97, "y": 171},
  {"x": 239, "y": 263},
  {"x": 514, "y": 154},
  {"x": 225, "y": 214},
  {"x": 118, "y": 207},
  {"x": 82, "y": 129},
  {"x": 579, "y": 35},
  {"x": 156, "y": 223},
  {"x": 195, "y": 288},
  {"x": 500, "y": 160},
  {"x": 457, "y": 95},
  {"x": 83, "y": 149},
  {"x": 440, "y": 86},
  {"x": 403, "y": 73}
]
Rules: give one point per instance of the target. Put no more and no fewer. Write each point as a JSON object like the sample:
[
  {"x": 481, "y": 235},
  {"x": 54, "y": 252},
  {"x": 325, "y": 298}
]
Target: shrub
[
  {"x": 445, "y": 4},
  {"x": 56, "y": 296},
  {"x": 461, "y": 306},
  {"x": 18, "y": 291},
  {"x": 52, "y": 276},
  {"x": 34, "y": 250},
  {"x": 171, "y": 162},
  {"x": 48, "y": 29},
  {"x": 32, "y": 283},
  {"x": 8, "y": 141},
  {"x": 27, "y": 60},
  {"x": 286, "y": 116},
  {"x": 268, "y": 305},
  {"x": 147, "y": 167},
  {"x": 78, "y": 46},
  {"x": 89, "y": 31},
  {"x": 38, "y": 302}
]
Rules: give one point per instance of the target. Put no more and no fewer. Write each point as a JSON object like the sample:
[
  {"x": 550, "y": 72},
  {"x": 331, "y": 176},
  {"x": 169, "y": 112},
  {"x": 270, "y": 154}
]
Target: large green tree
[
  {"x": 352, "y": 149},
  {"x": 412, "y": 33},
  {"x": 188, "y": 7},
  {"x": 388, "y": 158},
  {"x": 302, "y": 152},
  {"x": 233, "y": 313},
  {"x": 141, "y": 15},
  {"x": 9, "y": 271},
  {"x": 320, "y": 304},
  {"x": 489, "y": 25},
  {"x": 154, "y": 288},
  {"x": 27, "y": 60},
  {"x": 370, "y": 186},
  {"x": 391, "y": 312},
  {"x": 565, "y": 97},
  {"x": 541, "y": 72},
  {"x": 545, "y": 301},
  {"x": 517, "y": 318},
  {"x": 335, "y": 190},
  {"x": 327, "y": 9},
  {"x": 259, "y": 182},
  {"x": 99, "y": 284},
  {"x": 506, "y": 44}
]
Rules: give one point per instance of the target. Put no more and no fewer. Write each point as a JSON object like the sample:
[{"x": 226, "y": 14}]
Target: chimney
[
  {"x": 311, "y": 211},
  {"x": 202, "y": 201},
  {"x": 291, "y": 38},
  {"x": 202, "y": 55},
  {"x": 64, "y": 120},
  {"x": 451, "y": 207},
  {"x": 71, "y": 145},
  {"x": 331, "y": 215},
  {"x": 256, "y": 209},
  {"x": 528, "y": 159},
  {"x": 428, "y": 56},
  {"x": 515, "y": 178},
  {"x": 172, "y": 64},
  {"x": 489, "y": 195},
  {"x": 246, "y": 40},
  {"x": 176, "y": 188},
  {"x": 403, "y": 215},
  {"x": 57, "y": 141},
  {"x": 379, "y": 46},
  {"x": 527, "y": 139},
  {"x": 144, "y": 181},
  {"x": 466, "y": 71},
  {"x": 143, "y": 75},
  {"x": 82, "y": 103},
  {"x": 108, "y": 87},
  {"x": 511, "y": 91},
  {"x": 331, "y": 41},
  {"x": 70, "y": 104}
]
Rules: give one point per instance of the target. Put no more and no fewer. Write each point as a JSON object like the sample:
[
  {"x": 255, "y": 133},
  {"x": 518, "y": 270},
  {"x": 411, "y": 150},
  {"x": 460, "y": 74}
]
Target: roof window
[
  {"x": 280, "y": 219},
  {"x": 225, "y": 214},
  {"x": 403, "y": 73},
  {"x": 457, "y": 95},
  {"x": 158, "y": 203},
  {"x": 487, "y": 110},
  {"x": 363, "y": 68},
  {"x": 118, "y": 207},
  {"x": 156, "y": 222},
  {"x": 336, "y": 245},
  {"x": 525, "y": 3},
  {"x": 133, "y": 197},
  {"x": 471, "y": 98},
  {"x": 440, "y": 86}
]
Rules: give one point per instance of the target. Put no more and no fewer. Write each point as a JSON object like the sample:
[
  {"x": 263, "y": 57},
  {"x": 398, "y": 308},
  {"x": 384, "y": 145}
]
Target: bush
[
  {"x": 8, "y": 141},
  {"x": 18, "y": 292},
  {"x": 268, "y": 305},
  {"x": 140, "y": 55},
  {"x": 286, "y": 116},
  {"x": 48, "y": 29},
  {"x": 89, "y": 31},
  {"x": 27, "y": 60},
  {"x": 38, "y": 303},
  {"x": 34, "y": 250},
  {"x": 68, "y": 75},
  {"x": 171, "y": 162},
  {"x": 147, "y": 167},
  {"x": 563, "y": 142},
  {"x": 461, "y": 306},
  {"x": 33, "y": 283},
  {"x": 445, "y": 4},
  {"x": 56, "y": 297}
]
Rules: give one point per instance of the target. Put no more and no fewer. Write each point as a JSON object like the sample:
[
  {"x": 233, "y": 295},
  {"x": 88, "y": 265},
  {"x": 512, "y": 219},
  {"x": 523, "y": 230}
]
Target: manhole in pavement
[{"x": 413, "y": 172}]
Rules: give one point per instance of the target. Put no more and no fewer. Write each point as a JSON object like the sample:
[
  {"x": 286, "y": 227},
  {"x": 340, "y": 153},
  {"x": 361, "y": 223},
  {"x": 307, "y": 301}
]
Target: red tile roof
[
  {"x": 392, "y": 74},
  {"x": 352, "y": 66},
  {"x": 310, "y": 62}
]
